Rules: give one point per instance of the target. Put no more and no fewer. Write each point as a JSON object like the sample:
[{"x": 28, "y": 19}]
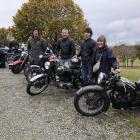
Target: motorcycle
[
  {"x": 33, "y": 70},
  {"x": 95, "y": 99},
  {"x": 12, "y": 56},
  {"x": 65, "y": 75},
  {"x": 18, "y": 65}
]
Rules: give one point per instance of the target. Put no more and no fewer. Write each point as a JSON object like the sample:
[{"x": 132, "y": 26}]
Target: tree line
[
  {"x": 127, "y": 54},
  {"x": 51, "y": 16}
]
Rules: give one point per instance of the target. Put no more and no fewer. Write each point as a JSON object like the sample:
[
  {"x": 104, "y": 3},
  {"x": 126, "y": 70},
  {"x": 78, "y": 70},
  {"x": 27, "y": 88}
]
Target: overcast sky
[{"x": 118, "y": 20}]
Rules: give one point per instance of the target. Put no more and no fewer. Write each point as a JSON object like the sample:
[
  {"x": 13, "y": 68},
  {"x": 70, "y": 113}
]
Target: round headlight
[
  {"x": 47, "y": 65},
  {"x": 40, "y": 56},
  {"x": 23, "y": 54}
]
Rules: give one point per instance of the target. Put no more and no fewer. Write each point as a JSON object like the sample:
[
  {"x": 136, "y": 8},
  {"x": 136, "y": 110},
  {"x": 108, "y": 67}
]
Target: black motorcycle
[
  {"x": 64, "y": 74},
  {"x": 93, "y": 100}
]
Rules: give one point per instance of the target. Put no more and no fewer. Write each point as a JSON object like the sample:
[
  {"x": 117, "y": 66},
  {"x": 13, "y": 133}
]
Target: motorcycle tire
[
  {"x": 30, "y": 73},
  {"x": 39, "y": 84},
  {"x": 103, "y": 102},
  {"x": 16, "y": 69}
]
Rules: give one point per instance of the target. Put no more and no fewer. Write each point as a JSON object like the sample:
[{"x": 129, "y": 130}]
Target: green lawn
[{"x": 131, "y": 74}]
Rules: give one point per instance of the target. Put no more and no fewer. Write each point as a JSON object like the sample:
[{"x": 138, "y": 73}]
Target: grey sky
[{"x": 119, "y": 20}]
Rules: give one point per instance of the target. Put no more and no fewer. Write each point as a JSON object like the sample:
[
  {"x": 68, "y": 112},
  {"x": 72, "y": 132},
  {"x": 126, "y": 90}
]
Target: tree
[
  {"x": 3, "y": 36},
  {"x": 126, "y": 53},
  {"x": 138, "y": 50},
  {"x": 50, "y": 16},
  {"x": 121, "y": 52},
  {"x": 132, "y": 52}
]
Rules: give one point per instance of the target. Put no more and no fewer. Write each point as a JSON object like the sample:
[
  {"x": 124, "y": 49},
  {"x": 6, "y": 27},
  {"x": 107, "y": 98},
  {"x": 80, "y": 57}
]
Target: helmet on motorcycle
[
  {"x": 138, "y": 84},
  {"x": 101, "y": 78}
]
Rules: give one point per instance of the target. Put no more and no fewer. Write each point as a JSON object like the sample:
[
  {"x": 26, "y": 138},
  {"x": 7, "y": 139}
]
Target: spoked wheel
[
  {"x": 30, "y": 73},
  {"x": 91, "y": 103},
  {"x": 38, "y": 86}
]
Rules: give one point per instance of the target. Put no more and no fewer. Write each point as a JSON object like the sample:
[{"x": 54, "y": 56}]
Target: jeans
[
  {"x": 87, "y": 73},
  {"x": 65, "y": 62}
]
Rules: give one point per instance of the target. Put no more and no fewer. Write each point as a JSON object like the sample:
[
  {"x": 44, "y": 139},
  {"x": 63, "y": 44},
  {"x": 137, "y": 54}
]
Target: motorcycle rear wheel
[
  {"x": 94, "y": 103},
  {"x": 37, "y": 87}
]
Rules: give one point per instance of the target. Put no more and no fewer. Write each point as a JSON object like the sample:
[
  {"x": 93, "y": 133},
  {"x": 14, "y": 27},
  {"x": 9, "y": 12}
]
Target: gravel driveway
[{"x": 52, "y": 116}]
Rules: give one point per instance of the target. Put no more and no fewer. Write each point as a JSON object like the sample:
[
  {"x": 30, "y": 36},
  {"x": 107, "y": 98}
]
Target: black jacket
[
  {"x": 87, "y": 51},
  {"x": 66, "y": 48},
  {"x": 108, "y": 60}
]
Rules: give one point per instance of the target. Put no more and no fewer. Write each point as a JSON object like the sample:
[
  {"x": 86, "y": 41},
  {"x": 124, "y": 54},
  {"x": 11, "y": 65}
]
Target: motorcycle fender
[
  {"x": 16, "y": 62},
  {"x": 90, "y": 87},
  {"x": 36, "y": 77}
]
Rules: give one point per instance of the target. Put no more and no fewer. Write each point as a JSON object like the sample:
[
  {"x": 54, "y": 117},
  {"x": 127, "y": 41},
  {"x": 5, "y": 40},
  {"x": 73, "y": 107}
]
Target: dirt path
[{"x": 52, "y": 116}]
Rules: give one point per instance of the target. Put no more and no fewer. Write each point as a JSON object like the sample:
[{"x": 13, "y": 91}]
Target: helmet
[
  {"x": 101, "y": 78},
  {"x": 138, "y": 84}
]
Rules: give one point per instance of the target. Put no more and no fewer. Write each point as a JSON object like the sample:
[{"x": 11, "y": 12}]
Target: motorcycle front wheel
[
  {"x": 31, "y": 72},
  {"x": 38, "y": 86},
  {"x": 91, "y": 102}
]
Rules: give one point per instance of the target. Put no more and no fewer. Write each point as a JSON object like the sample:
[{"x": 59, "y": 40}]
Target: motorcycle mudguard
[
  {"x": 90, "y": 87},
  {"x": 16, "y": 62},
  {"x": 36, "y": 77}
]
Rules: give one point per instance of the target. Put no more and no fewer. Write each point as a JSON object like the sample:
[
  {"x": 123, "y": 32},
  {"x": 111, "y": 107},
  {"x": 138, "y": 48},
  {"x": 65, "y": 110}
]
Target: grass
[{"x": 131, "y": 73}]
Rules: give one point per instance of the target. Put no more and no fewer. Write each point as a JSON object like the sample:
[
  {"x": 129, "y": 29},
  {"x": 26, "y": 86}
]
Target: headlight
[
  {"x": 40, "y": 56},
  {"x": 47, "y": 65},
  {"x": 23, "y": 54}
]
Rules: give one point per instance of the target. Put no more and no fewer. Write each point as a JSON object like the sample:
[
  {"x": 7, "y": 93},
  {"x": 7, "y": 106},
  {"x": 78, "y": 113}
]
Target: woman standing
[{"x": 105, "y": 55}]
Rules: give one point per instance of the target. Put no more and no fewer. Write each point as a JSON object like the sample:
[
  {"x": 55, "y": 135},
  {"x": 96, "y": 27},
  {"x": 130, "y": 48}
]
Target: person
[
  {"x": 36, "y": 46},
  {"x": 14, "y": 46},
  {"x": 65, "y": 46},
  {"x": 106, "y": 56},
  {"x": 87, "y": 52},
  {"x": 2, "y": 57}
]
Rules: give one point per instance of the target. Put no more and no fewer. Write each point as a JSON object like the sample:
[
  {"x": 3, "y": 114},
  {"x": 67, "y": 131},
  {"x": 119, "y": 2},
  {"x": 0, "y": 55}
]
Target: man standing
[
  {"x": 2, "y": 57},
  {"x": 36, "y": 46},
  {"x": 65, "y": 46},
  {"x": 14, "y": 46},
  {"x": 87, "y": 53}
]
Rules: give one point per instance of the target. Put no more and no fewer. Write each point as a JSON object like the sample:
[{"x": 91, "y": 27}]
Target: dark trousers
[
  {"x": 87, "y": 73},
  {"x": 2, "y": 59}
]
